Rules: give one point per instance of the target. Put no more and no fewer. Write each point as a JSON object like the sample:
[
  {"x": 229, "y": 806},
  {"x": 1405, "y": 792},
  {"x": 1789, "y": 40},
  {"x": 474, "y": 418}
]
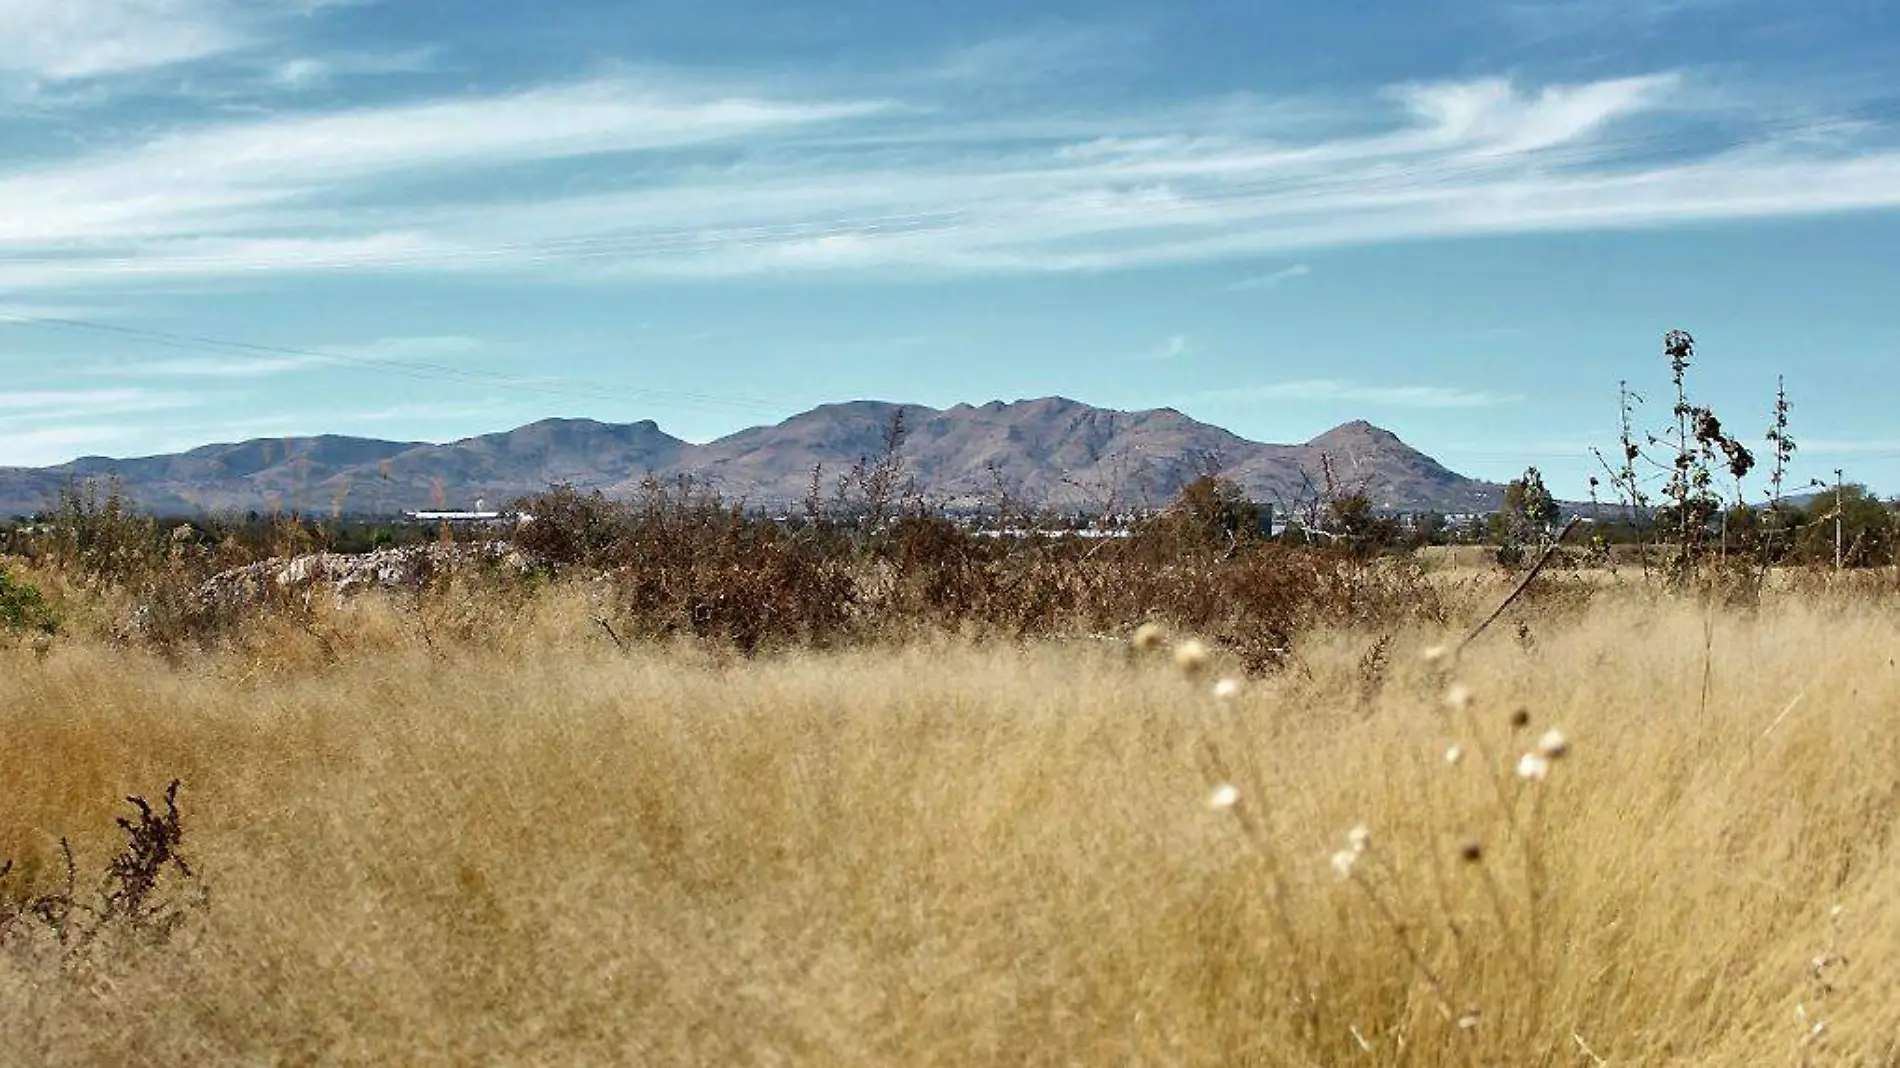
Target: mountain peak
[{"x": 1358, "y": 432}]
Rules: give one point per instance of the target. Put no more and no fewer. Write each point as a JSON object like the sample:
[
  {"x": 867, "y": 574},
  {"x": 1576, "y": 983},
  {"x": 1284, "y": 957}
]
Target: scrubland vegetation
[
  {"x": 660, "y": 783},
  {"x": 522, "y": 844}
]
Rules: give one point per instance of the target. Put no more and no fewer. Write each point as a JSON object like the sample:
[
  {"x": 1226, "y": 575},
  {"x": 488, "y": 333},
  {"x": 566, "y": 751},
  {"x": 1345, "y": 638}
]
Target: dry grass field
[{"x": 531, "y": 847}]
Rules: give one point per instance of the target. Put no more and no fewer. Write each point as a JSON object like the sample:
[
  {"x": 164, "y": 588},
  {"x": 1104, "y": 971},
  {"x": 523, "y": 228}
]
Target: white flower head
[
  {"x": 1343, "y": 862},
  {"x": 1360, "y": 838},
  {"x": 1226, "y": 795},
  {"x": 1533, "y": 767},
  {"x": 1454, "y": 753},
  {"x": 1458, "y": 697},
  {"x": 1227, "y": 689},
  {"x": 1554, "y": 745},
  {"x": 1435, "y": 654}
]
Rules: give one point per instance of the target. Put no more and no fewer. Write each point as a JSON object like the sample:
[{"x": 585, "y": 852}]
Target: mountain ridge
[{"x": 1051, "y": 452}]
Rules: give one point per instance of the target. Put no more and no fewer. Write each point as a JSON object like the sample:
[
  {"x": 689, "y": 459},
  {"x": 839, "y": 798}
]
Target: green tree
[
  {"x": 1529, "y": 514},
  {"x": 1218, "y": 507},
  {"x": 22, "y": 607},
  {"x": 1867, "y": 534},
  {"x": 1210, "y": 513}
]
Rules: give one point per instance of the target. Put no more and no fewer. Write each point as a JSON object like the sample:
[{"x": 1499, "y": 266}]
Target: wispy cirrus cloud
[
  {"x": 214, "y": 367},
  {"x": 1541, "y": 20},
  {"x": 57, "y": 403},
  {"x": 310, "y": 71},
  {"x": 1340, "y": 390},
  {"x": 40, "y": 446},
  {"x": 846, "y": 183},
  {"x": 1173, "y": 347},
  {"x": 245, "y": 363},
  {"x": 60, "y": 40},
  {"x": 49, "y": 426},
  {"x": 1270, "y": 280},
  {"x": 69, "y": 40},
  {"x": 1037, "y": 54},
  {"x": 411, "y": 347}
]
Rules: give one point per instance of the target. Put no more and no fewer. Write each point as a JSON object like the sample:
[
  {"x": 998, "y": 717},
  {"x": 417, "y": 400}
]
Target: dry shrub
[{"x": 682, "y": 562}]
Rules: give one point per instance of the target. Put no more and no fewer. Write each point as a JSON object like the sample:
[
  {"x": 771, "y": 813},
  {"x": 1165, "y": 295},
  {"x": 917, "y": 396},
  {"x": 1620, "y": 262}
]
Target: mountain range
[{"x": 1050, "y": 452}]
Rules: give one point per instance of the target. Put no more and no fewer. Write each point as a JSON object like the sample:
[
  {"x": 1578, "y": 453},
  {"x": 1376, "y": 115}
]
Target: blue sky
[{"x": 1465, "y": 221}]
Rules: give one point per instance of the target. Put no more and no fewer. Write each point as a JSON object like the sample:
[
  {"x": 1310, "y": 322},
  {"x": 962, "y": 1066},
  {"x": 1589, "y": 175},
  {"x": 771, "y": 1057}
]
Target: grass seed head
[
  {"x": 1149, "y": 638},
  {"x": 1192, "y": 657}
]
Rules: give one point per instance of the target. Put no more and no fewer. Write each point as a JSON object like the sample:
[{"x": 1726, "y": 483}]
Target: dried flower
[
  {"x": 1226, "y": 795},
  {"x": 1471, "y": 850},
  {"x": 1149, "y": 637},
  {"x": 1520, "y": 718}
]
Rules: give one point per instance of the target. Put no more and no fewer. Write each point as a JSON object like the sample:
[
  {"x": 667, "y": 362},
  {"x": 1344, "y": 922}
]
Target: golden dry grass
[{"x": 533, "y": 849}]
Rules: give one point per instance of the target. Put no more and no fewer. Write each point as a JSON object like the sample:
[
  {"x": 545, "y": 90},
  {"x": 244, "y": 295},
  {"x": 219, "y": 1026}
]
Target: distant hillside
[{"x": 1050, "y": 452}]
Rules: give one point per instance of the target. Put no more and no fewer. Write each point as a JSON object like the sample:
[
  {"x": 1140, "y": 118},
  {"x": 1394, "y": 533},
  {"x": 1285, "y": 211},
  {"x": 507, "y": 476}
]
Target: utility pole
[{"x": 1837, "y": 519}]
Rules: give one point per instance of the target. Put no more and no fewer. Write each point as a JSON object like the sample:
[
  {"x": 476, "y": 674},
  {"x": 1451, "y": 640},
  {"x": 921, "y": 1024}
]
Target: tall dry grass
[{"x": 532, "y": 848}]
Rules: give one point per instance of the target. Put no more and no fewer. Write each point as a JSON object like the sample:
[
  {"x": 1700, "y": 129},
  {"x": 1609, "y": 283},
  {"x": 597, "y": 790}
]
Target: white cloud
[
  {"x": 1035, "y": 55},
  {"x": 227, "y": 218},
  {"x": 305, "y": 72},
  {"x": 1173, "y": 347},
  {"x": 1330, "y": 389},
  {"x": 71, "y": 40},
  {"x": 403, "y": 348},
  {"x": 234, "y": 366},
  {"x": 1271, "y": 280},
  {"x": 419, "y": 412},
  {"x": 56, "y": 403},
  {"x": 242, "y": 363},
  {"x": 43, "y": 446},
  {"x": 849, "y": 184},
  {"x": 67, "y": 39},
  {"x": 1542, "y": 20}
]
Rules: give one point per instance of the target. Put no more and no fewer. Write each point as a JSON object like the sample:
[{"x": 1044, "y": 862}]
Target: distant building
[{"x": 479, "y": 514}]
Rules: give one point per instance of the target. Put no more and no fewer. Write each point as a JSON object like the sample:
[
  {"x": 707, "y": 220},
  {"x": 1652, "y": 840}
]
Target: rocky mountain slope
[{"x": 1050, "y": 452}]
